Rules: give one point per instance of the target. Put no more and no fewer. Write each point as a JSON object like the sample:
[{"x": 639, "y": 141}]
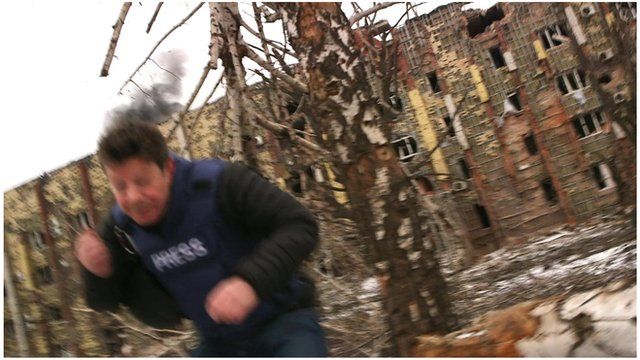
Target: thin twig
[
  {"x": 357, "y": 16},
  {"x": 153, "y": 18},
  {"x": 117, "y": 27},
  {"x": 140, "y": 88},
  {"x": 295, "y": 84},
  {"x": 261, "y": 36},
  {"x": 167, "y": 70},
  {"x": 158, "y": 44},
  {"x": 185, "y": 109},
  {"x": 195, "y": 121}
]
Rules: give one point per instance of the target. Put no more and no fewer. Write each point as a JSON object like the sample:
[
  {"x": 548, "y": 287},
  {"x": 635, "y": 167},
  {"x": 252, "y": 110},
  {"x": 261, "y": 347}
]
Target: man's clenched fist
[
  {"x": 231, "y": 301},
  {"x": 93, "y": 254}
]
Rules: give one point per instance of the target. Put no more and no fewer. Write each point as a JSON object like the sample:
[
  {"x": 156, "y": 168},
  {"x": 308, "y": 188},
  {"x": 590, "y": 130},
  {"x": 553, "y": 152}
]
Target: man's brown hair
[{"x": 125, "y": 139}]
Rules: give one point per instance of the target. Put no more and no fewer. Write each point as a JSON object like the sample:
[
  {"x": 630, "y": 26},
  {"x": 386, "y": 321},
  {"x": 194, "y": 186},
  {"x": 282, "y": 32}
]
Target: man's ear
[{"x": 170, "y": 166}]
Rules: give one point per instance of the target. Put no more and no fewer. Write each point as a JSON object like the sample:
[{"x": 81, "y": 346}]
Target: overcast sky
[{"x": 54, "y": 100}]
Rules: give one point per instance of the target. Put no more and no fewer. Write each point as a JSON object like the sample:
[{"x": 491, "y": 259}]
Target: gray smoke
[{"x": 156, "y": 103}]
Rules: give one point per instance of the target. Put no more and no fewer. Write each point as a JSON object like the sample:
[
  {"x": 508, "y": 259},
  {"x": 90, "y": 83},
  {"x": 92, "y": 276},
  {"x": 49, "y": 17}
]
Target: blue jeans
[{"x": 293, "y": 334}]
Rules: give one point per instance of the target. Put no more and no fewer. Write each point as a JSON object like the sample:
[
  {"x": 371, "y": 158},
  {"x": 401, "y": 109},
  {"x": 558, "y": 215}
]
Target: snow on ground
[{"x": 562, "y": 261}]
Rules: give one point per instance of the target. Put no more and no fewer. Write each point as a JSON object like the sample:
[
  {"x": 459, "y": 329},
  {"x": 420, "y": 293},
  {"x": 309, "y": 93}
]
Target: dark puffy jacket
[{"x": 248, "y": 202}]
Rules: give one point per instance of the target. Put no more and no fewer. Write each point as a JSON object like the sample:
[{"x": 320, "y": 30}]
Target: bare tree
[{"x": 350, "y": 130}]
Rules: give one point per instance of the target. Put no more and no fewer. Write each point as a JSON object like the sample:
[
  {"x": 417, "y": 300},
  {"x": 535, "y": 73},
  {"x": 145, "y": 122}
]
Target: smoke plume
[{"x": 158, "y": 102}]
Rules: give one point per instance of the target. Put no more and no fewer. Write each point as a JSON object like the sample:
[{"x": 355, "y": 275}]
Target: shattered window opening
[
  {"x": 406, "y": 148},
  {"x": 496, "y": 57},
  {"x": 299, "y": 124},
  {"x": 530, "y": 143},
  {"x": 43, "y": 275},
  {"x": 478, "y": 23},
  {"x": 36, "y": 240},
  {"x": 514, "y": 99},
  {"x": 464, "y": 169},
  {"x": 589, "y": 124},
  {"x": 603, "y": 177},
  {"x": 450, "y": 130},
  {"x": 424, "y": 186},
  {"x": 551, "y": 35},
  {"x": 294, "y": 183},
  {"x": 604, "y": 79},
  {"x": 53, "y": 312},
  {"x": 626, "y": 10},
  {"x": 549, "y": 191},
  {"x": 483, "y": 215},
  {"x": 433, "y": 81},
  {"x": 9, "y": 330},
  {"x": 570, "y": 82},
  {"x": 395, "y": 102}
]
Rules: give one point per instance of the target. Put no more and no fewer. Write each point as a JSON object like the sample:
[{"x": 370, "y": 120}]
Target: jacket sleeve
[
  {"x": 131, "y": 285},
  {"x": 106, "y": 294},
  {"x": 289, "y": 231}
]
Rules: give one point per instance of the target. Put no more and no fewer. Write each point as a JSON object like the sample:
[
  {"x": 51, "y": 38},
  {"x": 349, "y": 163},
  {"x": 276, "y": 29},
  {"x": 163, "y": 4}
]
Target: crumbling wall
[{"x": 528, "y": 166}]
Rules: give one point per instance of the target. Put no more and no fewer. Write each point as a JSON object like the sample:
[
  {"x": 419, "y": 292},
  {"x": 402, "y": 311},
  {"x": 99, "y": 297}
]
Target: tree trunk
[{"x": 347, "y": 122}]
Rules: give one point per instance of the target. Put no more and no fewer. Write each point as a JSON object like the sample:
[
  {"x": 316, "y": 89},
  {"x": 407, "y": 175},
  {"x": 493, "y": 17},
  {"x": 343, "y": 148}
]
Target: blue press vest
[{"x": 194, "y": 250}]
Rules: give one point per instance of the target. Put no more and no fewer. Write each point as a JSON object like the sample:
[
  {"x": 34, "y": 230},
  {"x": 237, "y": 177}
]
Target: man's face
[{"x": 141, "y": 188}]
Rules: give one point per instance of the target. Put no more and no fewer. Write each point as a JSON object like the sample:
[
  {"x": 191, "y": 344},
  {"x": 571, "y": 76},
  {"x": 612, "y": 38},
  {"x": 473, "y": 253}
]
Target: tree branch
[
  {"x": 195, "y": 121},
  {"x": 155, "y": 15},
  {"x": 117, "y": 27},
  {"x": 357, "y": 16},
  {"x": 158, "y": 44},
  {"x": 295, "y": 84}
]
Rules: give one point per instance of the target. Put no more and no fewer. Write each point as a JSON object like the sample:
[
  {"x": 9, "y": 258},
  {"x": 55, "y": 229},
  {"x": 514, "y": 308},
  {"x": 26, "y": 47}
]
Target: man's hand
[
  {"x": 93, "y": 254},
  {"x": 231, "y": 301}
]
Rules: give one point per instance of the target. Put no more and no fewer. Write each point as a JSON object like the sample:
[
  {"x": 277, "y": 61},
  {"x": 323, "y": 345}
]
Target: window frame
[
  {"x": 596, "y": 119},
  {"x": 576, "y": 80},
  {"x": 406, "y": 144},
  {"x": 546, "y": 35},
  {"x": 602, "y": 172}
]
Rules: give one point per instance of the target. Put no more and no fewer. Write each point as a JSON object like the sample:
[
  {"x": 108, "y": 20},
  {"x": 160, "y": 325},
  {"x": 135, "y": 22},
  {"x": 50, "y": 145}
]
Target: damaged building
[
  {"x": 525, "y": 113},
  {"x": 512, "y": 119}
]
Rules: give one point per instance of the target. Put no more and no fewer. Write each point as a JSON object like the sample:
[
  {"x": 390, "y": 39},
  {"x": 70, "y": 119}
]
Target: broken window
[
  {"x": 299, "y": 125},
  {"x": 483, "y": 215},
  {"x": 395, "y": 102},
  {"x": 549, "y": 191},
  {"x": 292, "y": 107},
  {"x": 626, "y": 10},
  {"x": 82, "y": 220},
  {"x": 9, "y": 330},
  {"x": 496, "y": 57},
  {"x": 589, "y": 124},
  {"x": 478, "y": 23},
  {"x": 570, "y": 82},
  {"x": 530, "y": 143},
  {"x": 53, "y": 312},
  {"x": 36, "y": 240},
  {"x": 514, "y": 99},
  {"x": 450, "y": 130},
  {"x": 433, "y": 81},
  {"x": 425, "y": 187},
  {"x": 294, "y": 183},
  {"x": 464, "y": 169},
  {"x": 43, "y": 275},
  {"x": 553, "y": 35},
  {"x": 406, "y": 148},
  {"x": 603, "y": 177},
  {"x": 604, "y": 79}
]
